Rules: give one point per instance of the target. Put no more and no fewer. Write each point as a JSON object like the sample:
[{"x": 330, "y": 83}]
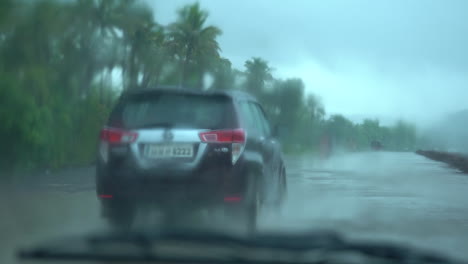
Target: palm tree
[
  {"x": 153, "y": 56},
  {"x": 257, "y": 74},
  {"x": 5, "y": 15},
  {"x": 192, "y": 42},
  {"x": 127, "y": 37},
  {"x": 95, "y": 25},
  {"x": 224, "y": 75},
  {"x": 136, "y": 24}
]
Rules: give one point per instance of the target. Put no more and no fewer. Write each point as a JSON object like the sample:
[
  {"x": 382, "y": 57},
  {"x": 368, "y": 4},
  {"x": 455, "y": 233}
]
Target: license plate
[{"x": 158, "y": 151}]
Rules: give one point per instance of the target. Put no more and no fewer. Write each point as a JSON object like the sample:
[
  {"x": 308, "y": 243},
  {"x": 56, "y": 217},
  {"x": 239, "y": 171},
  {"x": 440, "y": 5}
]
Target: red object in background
[{"x": 232, "y": 199}]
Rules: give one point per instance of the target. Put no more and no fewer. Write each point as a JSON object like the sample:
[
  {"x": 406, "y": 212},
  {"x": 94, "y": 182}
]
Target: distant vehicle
[
  {"x": 178, "y": 148},
  {"x": 376, "y": 145}
]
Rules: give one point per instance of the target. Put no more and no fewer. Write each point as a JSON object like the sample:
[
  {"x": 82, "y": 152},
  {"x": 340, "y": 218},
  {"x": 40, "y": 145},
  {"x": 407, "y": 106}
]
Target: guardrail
[{"x": 456, "y": 160}]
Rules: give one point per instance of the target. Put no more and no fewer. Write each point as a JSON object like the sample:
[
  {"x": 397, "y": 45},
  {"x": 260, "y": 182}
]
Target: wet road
[
  {"x": 393, "y": 196},
  {"x": 400, "y": 197}
]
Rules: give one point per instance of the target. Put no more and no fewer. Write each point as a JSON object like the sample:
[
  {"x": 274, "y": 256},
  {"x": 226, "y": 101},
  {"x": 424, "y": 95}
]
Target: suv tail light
[
  {"x": 114, "y": 136},
  {"x": 235, "y": 136},
  {"x": 117, "y": 136},
  {"x": 223, "y": 136}
]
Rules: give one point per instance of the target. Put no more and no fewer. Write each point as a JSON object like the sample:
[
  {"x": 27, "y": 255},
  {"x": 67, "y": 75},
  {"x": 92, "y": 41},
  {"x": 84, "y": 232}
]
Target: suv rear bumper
[{"x": 201, "y": 187}]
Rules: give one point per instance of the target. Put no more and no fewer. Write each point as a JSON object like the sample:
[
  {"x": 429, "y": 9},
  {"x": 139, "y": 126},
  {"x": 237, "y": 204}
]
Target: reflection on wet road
[{"x": 392, "y": 196}]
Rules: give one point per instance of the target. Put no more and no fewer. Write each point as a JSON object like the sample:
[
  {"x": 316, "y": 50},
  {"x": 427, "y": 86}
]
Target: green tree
[
  {"x": 341, "y": 130},
  {"x": 257, "y": 72},
  {"x": 404, "y": 136},
  {"x": 286, "y": 108},
  {"x": 57, "y": 59},
  {"x": 224, "y": 75},
  {"x": 310, "y": 125},
  {"x": 193, "y": 43},
  {"x": 7, "y": 13},
  {"x": 138, "y": 28},
  {"x": 370, "y": 130},
  {"x": 50, "y": 58},
  {"x": 314, "y": 108}
]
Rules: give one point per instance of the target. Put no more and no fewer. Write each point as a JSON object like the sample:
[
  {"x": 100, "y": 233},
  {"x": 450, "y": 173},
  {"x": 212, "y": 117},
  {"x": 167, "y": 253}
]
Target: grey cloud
[
  {"x": 383, "y": 32},
  {"x": 412, "y": 51}
]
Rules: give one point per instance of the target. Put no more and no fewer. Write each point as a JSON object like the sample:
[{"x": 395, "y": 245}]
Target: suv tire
[{"x": 245, "y": 214}]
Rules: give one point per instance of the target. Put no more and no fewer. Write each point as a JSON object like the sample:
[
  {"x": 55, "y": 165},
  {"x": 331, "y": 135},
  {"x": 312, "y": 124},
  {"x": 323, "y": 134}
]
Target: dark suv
[{"x": 178, "y": 148}]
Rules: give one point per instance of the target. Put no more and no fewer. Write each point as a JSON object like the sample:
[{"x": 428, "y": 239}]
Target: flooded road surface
[
  {"x": 400, "y": 197},
  {"x": 393, "y": 196}
]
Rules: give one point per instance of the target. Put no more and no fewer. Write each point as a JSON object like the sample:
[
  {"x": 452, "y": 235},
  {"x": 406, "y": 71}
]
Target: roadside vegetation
[{"x": 63, "y": 64}]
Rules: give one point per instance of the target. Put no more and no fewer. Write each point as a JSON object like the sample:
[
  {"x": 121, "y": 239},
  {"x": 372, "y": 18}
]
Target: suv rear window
[{"x": 174, "y": 110}]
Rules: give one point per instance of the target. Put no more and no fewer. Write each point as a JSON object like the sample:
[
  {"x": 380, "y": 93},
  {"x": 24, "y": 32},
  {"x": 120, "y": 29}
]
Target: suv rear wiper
[{"x": 226, "y": 249}]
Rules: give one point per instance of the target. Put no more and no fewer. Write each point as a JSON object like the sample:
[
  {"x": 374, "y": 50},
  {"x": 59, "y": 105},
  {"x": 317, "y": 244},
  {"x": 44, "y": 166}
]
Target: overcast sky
[{"x": 386, "y": 58}]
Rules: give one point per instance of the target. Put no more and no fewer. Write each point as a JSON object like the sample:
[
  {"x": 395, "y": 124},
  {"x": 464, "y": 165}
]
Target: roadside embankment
[{"x": 456, "y": 160}]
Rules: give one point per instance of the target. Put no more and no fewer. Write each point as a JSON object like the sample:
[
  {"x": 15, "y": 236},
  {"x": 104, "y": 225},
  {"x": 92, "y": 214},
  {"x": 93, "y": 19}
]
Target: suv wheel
[{"x": 245, "y": 214}]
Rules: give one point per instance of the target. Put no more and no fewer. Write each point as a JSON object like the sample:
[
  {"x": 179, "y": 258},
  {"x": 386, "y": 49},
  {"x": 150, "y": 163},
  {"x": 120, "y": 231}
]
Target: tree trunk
[
  {"x": 132, "y": 70},
  {"x": 157, "y": 76},
  {"x": 88, "y": 79},
  {"x": 188, "y": 54},
  {"x": 200, "y": 81},
  {"x": 146, "y": 80}
]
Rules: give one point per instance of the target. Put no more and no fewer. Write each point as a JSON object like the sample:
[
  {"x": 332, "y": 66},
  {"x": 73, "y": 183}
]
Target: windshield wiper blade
[
  {"x": 144, "y": 243},
  {"x": 143, "y": 247},
  {"x": 302, "y": 241}
]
